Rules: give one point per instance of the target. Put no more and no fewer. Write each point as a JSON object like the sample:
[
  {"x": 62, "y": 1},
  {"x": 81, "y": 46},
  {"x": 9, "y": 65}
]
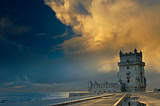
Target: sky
[{"x": 57, "y": 45}]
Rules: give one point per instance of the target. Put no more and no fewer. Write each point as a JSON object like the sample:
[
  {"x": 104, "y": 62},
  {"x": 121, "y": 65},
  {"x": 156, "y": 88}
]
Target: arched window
[{"x": 128, "y": 80}]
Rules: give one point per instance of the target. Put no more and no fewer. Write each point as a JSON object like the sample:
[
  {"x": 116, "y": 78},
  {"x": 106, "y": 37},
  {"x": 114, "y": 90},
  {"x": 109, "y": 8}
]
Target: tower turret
[
  {"x": 120, "y": 53},
  {"x": 135, "y": 50}
]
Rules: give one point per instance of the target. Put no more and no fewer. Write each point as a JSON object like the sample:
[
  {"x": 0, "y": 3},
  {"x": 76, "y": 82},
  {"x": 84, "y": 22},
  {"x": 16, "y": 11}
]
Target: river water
[{"x": 12, "y": 97}]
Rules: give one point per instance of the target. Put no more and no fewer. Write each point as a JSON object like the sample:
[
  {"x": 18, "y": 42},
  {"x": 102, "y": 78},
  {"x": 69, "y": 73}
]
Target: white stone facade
[{"x": 131, "y": 76}]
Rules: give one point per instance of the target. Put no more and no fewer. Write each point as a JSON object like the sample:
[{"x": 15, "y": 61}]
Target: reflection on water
[{"x": 132, "y": 101}]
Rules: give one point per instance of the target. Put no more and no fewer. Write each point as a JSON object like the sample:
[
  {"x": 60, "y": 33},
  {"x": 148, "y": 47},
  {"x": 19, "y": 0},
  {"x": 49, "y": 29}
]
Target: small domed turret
[
  {"x": 130, "y": 52},
  {"x": 120, "y": 53},
  {"x": 135, "y": 50},
  {"x": 140, "y": 52}
]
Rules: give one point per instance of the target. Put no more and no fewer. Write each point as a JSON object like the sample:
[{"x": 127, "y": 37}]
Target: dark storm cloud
[
  {"x": 10, "y": 33},
  {"x": 27, "y": 60},
  {"x": 8, "y": 28},
  {"x": 22, "y": 47}
]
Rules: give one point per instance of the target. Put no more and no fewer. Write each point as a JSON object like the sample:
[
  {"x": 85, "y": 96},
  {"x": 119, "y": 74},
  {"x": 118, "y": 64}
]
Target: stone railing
[{"x": 131, "y": 63}]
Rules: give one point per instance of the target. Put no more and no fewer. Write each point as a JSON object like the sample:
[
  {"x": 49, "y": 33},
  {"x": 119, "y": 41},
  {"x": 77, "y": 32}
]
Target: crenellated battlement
[
  {"x": 130, "y": 53},
  {"x": 104, "y": 85},
  {"x": 131, "y": 58}
]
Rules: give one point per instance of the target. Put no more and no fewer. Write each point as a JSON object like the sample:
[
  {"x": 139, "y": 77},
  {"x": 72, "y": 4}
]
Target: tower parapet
[
  {"x": 130, "y": 53},
  {"x": 131, "y": 58}
]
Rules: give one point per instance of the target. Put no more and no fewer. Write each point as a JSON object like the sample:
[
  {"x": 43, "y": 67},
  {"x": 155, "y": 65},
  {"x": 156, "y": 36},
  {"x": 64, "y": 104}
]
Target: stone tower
[{"x": 131, "y": 73}]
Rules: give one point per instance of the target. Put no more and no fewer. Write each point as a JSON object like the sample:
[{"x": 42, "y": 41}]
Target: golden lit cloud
[{"x": 108, "y": 25}]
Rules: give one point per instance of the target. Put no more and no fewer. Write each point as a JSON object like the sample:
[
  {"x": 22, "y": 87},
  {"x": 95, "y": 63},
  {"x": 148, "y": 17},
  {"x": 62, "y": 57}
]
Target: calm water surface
[{"x": 11, "y": 97}]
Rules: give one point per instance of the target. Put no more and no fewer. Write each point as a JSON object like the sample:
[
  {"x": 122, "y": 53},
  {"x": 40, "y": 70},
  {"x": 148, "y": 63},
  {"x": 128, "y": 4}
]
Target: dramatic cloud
[{"x": 107, "y": 26}]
